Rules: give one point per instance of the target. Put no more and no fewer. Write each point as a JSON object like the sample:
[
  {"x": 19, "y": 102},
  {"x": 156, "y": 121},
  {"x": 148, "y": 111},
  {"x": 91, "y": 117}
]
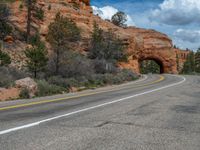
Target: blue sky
[{"x": 179, "y": 19}]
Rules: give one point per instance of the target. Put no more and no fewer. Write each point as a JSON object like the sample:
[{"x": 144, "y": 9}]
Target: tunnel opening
[{"x": 150, "y": 65}]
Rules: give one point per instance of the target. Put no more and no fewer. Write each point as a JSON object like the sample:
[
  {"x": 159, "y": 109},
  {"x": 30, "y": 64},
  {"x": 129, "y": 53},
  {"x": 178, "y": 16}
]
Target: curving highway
[{"x": 156, "y": 112}]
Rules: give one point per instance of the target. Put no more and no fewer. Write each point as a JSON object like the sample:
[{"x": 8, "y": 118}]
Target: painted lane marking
[
  {"x": 72, "y": 97},
  {"x": 90, "y": 108}
]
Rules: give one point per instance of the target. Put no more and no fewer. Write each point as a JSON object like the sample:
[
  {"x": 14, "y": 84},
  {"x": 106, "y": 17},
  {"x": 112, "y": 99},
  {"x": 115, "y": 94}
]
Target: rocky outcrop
[
  {"x": 181, "y": 56},
  {"x": 141, "y": 43},
  {"x": 27, "y": 83}
]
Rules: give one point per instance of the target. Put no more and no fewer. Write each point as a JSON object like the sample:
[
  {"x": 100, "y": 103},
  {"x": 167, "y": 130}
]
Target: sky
[{"x": 179, "y": 19}]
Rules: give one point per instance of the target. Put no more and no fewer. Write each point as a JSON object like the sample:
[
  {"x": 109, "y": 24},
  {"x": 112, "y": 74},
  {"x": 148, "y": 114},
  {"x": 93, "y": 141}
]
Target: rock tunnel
[{"x": 159, "y": 64}]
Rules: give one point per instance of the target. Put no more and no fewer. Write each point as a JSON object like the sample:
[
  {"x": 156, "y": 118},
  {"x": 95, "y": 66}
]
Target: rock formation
[
  {"x": 27, "y": 83},
  {"x": 181, "y": 56},
  {"x": 141, "y": 43}
]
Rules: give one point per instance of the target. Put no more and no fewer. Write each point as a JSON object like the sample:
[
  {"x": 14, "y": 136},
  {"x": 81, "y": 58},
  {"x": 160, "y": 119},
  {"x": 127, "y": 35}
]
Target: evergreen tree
[
  {"x": 104, "y": 45},
  {"x": 32, "y": 12},
  {"x": 36, "y": 56},
  {"x": 29, "y": 12},
  {"x": 36, "y": 59},
  {"x": 61, "y": 33},
  {"x": 189, "y": 65},
  {"x": 197, "y": 61}
]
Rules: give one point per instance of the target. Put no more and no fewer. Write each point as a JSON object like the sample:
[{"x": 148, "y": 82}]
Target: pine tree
[
  {"x": 61, "y": 33},
  {"x": 36, "y": 59},
  {"x": 32, "y": 12},
  {"x": 105, "y": 45},
  {"x": 189, "y": 65},
  {"x": 36, "y": 56},
  {"x": 197, "y": 61},
  {"x": 96, "y": 42}
]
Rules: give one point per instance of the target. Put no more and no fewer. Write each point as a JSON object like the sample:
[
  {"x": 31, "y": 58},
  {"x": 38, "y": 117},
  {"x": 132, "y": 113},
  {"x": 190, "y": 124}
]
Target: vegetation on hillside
[
  {"x": 192, "y": 64},
  {"x": 5, "y": 28},
  {"x": 36, "y": 55},
  {"x": 61, "y": 33},
  {"x": 64, "y": 67},
  {"x": 106, "y": 50}
]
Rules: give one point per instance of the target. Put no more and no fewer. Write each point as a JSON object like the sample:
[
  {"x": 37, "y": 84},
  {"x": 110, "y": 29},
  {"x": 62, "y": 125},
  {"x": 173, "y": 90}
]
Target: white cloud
[
  {"x": 185, "y": 38},
  {"x": 107, "y": 12},
  {"x": 191, "y": 36},
  {"x": 177, "y": 12}
]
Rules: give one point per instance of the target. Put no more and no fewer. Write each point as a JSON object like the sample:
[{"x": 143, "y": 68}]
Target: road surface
[{"x": 158, "y": 112}]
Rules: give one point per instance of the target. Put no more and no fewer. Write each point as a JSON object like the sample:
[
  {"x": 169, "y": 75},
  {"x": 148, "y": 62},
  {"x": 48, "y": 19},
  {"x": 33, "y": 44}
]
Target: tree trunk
[
  {"x": 57, "y": 60},
  {"x": 29, "y": 7},
  {"x": 35, "y": 74}
]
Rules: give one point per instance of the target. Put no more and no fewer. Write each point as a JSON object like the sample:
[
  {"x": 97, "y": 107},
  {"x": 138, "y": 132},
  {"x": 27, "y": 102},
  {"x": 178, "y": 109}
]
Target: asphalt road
[{"x": 155, "y": 113}]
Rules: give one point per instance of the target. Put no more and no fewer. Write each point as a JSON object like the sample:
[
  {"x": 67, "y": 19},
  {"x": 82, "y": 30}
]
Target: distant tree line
[
  {"x": 149, "y": 66},
  {"x": 192, "y": 63}
]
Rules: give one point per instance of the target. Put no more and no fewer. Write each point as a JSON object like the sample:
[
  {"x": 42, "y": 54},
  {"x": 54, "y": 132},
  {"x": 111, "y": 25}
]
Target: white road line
[{"x": 89, "y": 108}]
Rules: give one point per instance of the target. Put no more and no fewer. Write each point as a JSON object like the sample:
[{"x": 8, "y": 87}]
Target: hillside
[{"x": 139, "y": 41}]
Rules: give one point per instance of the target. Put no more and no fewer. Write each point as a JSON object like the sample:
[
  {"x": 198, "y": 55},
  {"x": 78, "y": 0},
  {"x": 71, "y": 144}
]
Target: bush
[
  {"x": 24, "y": 93},
  {"x": 39, "y": 13},
  {"x": 75, "y": 65},
  {"x": 108, "y": 78},
  {"x": 8, "y": 75},
  {"x": 5, "y": 29},
  {"x": 44, "y": 88},
  {"x": 95, "y": 80},
  {"x": 102, "y": 66},
  {"x": 4, "y": 59}
]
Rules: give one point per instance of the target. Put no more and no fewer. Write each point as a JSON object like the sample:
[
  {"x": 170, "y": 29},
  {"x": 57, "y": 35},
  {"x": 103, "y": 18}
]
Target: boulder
[
  {"x": 27, "y": 83},
  {"x": 73, "y": 90}
]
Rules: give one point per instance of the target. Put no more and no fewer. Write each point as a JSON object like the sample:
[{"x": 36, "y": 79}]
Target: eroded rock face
[
  {"x": 141, "y": 43},
  {"x": 181, "y": 56},
  {"x": 8, "y": 94}
]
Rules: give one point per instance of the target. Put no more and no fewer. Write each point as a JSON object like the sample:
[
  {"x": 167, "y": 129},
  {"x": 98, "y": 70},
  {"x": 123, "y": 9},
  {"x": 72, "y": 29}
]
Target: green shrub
[
  {"x": 129, "y": 75},
  {"x": 4, "y": 59},
  {"x": 59, "y": 81},
  {"x": 8, "y": 75},
  {"x": 44, "y": 88},
  {"x": 39, "y": 13},
  {"x": 24, "y": 93}
]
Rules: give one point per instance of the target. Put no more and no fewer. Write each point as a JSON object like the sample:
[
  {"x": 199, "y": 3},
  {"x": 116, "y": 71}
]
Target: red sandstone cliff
[{"x": 141, "y": 43}]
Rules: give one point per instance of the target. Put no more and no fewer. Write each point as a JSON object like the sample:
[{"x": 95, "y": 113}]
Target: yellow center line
[{"x": 72, "y": 97}]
